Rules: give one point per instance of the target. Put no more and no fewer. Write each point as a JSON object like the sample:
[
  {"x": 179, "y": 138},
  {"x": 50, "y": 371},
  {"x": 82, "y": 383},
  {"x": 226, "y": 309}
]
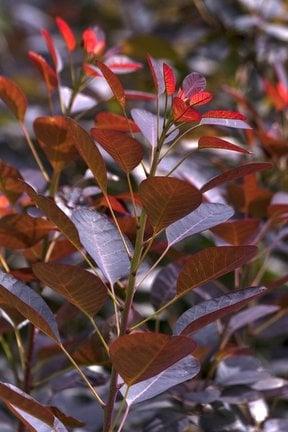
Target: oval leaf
[
  {"x": 183, "y": 112},
  {"x": 235, "y": 173},
  {"x": 210, "y": 264},
  {"x": 107, "y": 120},
  {"x": 114, "y": 83},
  {"x": 225, "y": 118},
  {"x": 208, "y": 142},
  {"x": 78, "y": 286},
  {"x": 102, "y": 241},
  {"x": 169, "y": 79},
  {"x": 13, "y": 97},
  {"x": 125, "y": 150},
  {"x": 167, "y": 199},
  {"x": 238, "y": 232},
  {"x": 9, "y": 182},
  {"x": 139, "y": 356},
  {"x": 29, "y": 304},
  {"x": 66, "y": 33},
  {"x": 206, "y": 216},
  {"x": 193, "y": 83},
  {"x": 208, "y": 311}
]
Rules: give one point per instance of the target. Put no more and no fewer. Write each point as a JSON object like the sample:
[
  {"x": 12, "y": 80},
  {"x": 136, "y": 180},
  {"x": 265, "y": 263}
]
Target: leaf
[
  {"x": 93, "y": 41},
  {"x": 224, "y": 118},
  {"x": 206, "y": 216},
  {"x": 121, "y": 64},
  {"x": 208, "y": 311},
  {"x": 150, "y": 127},
  {"x": 51, "y": 48},
  {"x": 102, "y": 241},
  {"x": 9, "y": 184},
  {"x": 78, "y": 286},
  {"x": 178, "y": 373},
  {"x": 55, "y": 215},
  {"x": 21, "y": 231},
  {"x": 139, "y": 356},
  {"x": 125, "y": 150},
  {"x": 29, "y": 304},
  {"x": 45, "y": 70},
  {"x": 167, "y": 199},
  {"x": 207, "y": 142},
  {"x": 34, "y": 424},
  {"x": 183, "y": 112},
  {"x": 193, "y": 83},
  {"x": 238, "y": 232},
  {"x": 66, "y": 33},
  {"x": 210, "y": 264},
  {"x": 13, "y": 97},
  {"x": 89, "y": 152},
  {"x": 156, "y": 69},
  {"x": 169, "y": 79},
  {"x": 56, "y": 139},
  {"x": 139, "y": 95},
  {"x": 201, "y": 98},
  {"x": 107, "y": 120},
  {"x": 114, "y": 83},
  {"x": 235, "y": 173},
  {"x": 164, "y": 285}
]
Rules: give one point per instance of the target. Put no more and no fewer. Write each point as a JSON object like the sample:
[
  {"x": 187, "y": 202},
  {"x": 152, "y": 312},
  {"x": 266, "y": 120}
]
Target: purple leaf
[
  {"x": 178, "y": 373},
  {"x": 156, "y": 68},
  {"x": 210, "y": 310},
  {"x": 233, "y": 123},
  {"x": 206, "y": 216},
  {"x": 102, "y": 241},
  {"x": 164, "y": 285},
  {"x": 147, "y": 123},
  {"x": 193, "y": 83},
  {"x": 242, "y": 369}
]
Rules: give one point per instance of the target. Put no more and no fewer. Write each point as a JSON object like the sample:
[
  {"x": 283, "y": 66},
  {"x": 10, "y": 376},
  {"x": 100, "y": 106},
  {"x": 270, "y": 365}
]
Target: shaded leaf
[
  {"x": 241, "y": 369},
  {"x": 20, "y": 231},
  {"x": 9, "y": 184},
  {"x": 235, "y": 173},
  {"x": 56, "y": 139},
  {"x": 139, "y": 356},
  {"x": 45, "y": 70},
  {"x": 29, "y": 304},
  {"x": 66, "y": 33},
  {"x": 207, "y": 142},
  {"x": 167, "y": 199},
  {"x": 33, "y": 423},
  {"x": 238, "y": 232},
  {"x": 156, "y": 69},
  {"x": 164, "y": 285},
  {"x": 13, "y": 97},
  {"x": 169, "y": 79},
  {"x": 55, "y": 215},
  {"x": 178, "y": 373},
  {"x": 193, "y": 83},
  {"x": 107, "y": 120},
  {"x": 102, "y": 241},
  {"x": 211, "y": 263},
  {"x": 125, "y": 150},
  {"x": 78, "y": 286},
  {"x": 113, "y": 82},
  {"x": 89, "y": 152},
  {"x": 206, "y": 216},
  {"x": 208, "y": 311}
]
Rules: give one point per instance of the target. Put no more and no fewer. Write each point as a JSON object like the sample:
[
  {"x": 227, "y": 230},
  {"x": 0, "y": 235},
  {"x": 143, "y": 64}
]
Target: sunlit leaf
[
  {"x": 29, "y": 304},
  {"x": 169, "y": 79},
  {"x": 13, "y": 97},
  {"x": 113, "y": 82},
  {"x": 208, "y": 142},
  {"x": 211, "y": 263},
  {"x": 235, "y": 173},
  {"x": 51, "y": 48},
  {"x": 201, "y": 98},
  {"x": 156, "y": 69},
  {"x": 45, "y": 70},
  {"x": 238, "y": 232},
  {"x": 178, "y": 373},
  {"x": 102, "y": 241},
  {"x": 208, "y": 311},
  {"x": 78, "y": 286},
  {"x": 206, "y": 216},
  {"x": 66, "y": 33},
  {"x": 125, "y": 150},
  {"x": 139, "y": 356},
  {"x": 224, "y": 118},
  {"x": 121, "y": 64},
  {"x": 93, "y": 40},
  {"x": 107, "y": 120},
  {"x": 9, "y": 184},
  {"x": 183, "y": 112},
  {"x": 167, "y": 199}
]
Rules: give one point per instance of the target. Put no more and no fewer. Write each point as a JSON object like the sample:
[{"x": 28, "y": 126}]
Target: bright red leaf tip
[
  {"x": 45, "y": 69},
  {"x": 200, "y": 98},
  {"x": 93, "y": 41},
  {"x": 224, "y": 114},
  {"x": 169, "y": 79},
  {"x": 66, "y": 33}
]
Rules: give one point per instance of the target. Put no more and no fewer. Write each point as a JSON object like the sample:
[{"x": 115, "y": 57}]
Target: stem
[
  {"x": 132, "y": 194},
  {"x": 180, "y": 162},
  {"x": 177, "y": 140},
  {"x": 98, "y": 333},
  {"x": 30, "y": 349},
  {"x": 34, "y": 152},
  {"x": 154, "y": 265},
  {"x": 83, "y": 376},
  {"x": 20, "y": 347},
  {"x": 124, "y": 418},
  {"x": 54, "y": 183},
  {"x": 165, "y": 306}
]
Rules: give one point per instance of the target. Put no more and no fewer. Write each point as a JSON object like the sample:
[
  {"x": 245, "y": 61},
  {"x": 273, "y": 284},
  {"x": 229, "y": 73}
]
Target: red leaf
[
  {"x": 93, "y": 41},
  {"x": 235, "y": 173},
  {"x": 238, "y": 232},
  {"x": 121, "y": 64},
  {"x": 9, "y": 182},
  {"x": 156, "y": 69},
  {"x": 224, "y": 114},
  {"x": 66, "y": 33},
  {"x": 113, "y": 82},
  {"x": 139, "y": 95},
  {"x": 50, "y": 46},
  {"x": 207, "y": 142},
  {"x": 45, "y": 69},
  {"x": 139, "y": 356},
  {"x": 169, "y": 79},
  {"x": 14, "y": 97},
  {"x": 200, "y": 98},
  {"x": 107, "y": 120},
  {"x": 183, "y": 113}
]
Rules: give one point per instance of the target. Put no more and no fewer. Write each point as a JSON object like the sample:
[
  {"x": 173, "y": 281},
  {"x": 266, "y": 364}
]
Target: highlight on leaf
[{"x": 66, "y": 33}]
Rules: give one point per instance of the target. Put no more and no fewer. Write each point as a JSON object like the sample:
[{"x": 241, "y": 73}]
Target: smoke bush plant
[{"x": 190, "y": 220}]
